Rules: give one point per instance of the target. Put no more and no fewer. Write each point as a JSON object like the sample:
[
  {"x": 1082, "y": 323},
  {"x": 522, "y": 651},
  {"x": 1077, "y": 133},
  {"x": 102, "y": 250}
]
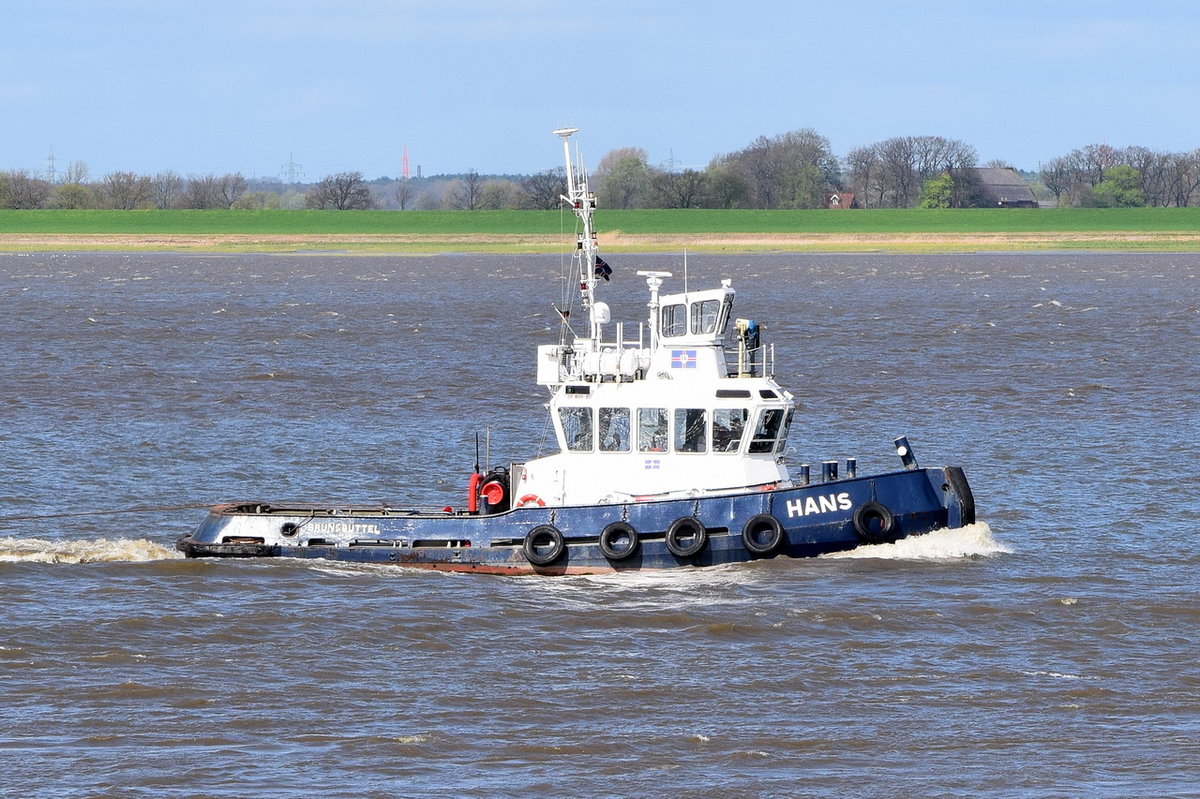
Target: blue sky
[{"x": 218, "y": 86}]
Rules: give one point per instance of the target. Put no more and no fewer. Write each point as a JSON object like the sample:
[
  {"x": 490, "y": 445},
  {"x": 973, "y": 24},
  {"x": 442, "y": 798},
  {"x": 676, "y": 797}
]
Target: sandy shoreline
[{"x": 614, "y": 241}]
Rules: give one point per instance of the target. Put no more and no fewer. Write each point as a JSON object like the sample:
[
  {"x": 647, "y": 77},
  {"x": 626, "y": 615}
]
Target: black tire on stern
[
  {"x": 618, "y": 541},
  {"x": 762, "y": 534},
  {"x": 543, "y": 545},
  {"x": 686, "y": 537},
  {"x": 874, "y": 523}
]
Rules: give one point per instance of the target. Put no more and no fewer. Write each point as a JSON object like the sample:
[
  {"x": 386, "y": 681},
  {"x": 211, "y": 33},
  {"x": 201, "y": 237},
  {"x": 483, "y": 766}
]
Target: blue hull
[{"x": 704, "y": 531}]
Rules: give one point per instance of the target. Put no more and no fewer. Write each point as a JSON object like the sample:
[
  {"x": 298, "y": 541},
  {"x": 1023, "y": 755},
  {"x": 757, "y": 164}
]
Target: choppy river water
[{"x": 1049, "y": 650}]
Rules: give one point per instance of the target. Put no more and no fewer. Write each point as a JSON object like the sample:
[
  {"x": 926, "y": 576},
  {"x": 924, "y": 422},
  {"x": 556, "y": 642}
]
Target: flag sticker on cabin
[{"x": 683, "y": 359}]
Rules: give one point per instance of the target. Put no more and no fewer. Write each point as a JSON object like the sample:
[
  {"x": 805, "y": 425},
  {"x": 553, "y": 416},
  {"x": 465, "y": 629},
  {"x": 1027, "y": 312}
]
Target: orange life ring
[{"x": 531, "y": 499}]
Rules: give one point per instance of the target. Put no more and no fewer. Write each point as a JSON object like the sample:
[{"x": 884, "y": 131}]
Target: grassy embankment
[{"x": 378, "y": 232}]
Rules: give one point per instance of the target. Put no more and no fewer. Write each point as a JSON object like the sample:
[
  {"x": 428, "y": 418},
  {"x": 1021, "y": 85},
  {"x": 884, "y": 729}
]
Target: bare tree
[
  {"x": 1058, "y": 177},
  {"x": 467, "y": 193},
  {"x": 125, "y": 191},
  {"x": 866, "y": 176},
  {"x": 891, "y": 172},
  {"x": 76, "y": 172},
  {"x": 231, "y": 186},
  {"x": 791, "y": 170},
  {"x": 686, "y": 189},
  {"x": 405, "y": 192},
  {"x": 345, "y": 191},
  {"x": 23, "y": 191},
  {"x": 168, "y": 189},
  {"x": 1183, "y": 179},
  {"x": 498, "y": 194},
  {"x": 203, "y": 191},
  {"x": 544, "y": 190},
  {"x": 73, "y": 192},
  {"x": 1091, "y": 162}
]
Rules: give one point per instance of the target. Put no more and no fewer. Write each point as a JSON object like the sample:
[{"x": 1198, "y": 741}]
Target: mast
[{"x": 583, "y": 203}]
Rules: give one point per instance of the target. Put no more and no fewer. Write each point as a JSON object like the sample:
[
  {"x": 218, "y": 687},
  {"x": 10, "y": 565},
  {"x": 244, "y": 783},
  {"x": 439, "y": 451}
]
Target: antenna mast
[{"x": 583, "y": 203}]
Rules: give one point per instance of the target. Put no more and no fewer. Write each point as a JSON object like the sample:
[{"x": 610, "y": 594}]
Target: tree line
[{"x": 793, "y": 170}]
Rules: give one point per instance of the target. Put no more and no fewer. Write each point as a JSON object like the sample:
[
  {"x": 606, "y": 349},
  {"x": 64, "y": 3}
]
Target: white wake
[
  {"x": 93, "y": 550},
  {"x": 972, "y": 541}
]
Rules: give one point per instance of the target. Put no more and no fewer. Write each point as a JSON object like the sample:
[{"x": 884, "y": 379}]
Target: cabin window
[
  {"x": 691, "y": 426},
  {"x": 766, "y": 430},
  {"x": 674, "y": 320},
  {"x": 704, "y": 316},
  {"x": 652, "y": 429},
  {"x": 577, "y": 428},
  {"x": 614, "y": 429},
  {"x": 783, "y": 434},
  {"x": 726, "y": 310},
  {"x": 728, "y": 426}
]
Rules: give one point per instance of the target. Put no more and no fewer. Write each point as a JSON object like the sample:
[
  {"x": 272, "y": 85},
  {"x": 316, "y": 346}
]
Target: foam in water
[
  {"x": 94, "y": 550},
  {"x": 972, "y": 541}
]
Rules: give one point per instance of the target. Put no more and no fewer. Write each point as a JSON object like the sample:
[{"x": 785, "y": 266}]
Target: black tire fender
[
  {"x": 874, "y": 523},
  {"x": 543, "y": 545},
  {"x": 686, "y": 537},
  {"x": 762, "y": 534},
  {"x": 619, "y": 541}
]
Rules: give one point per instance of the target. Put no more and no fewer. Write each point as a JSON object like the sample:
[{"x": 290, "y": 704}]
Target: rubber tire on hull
[
  {"x": 762, "y": 534},
  {"x": 543, "y": 545},
  {"x": 611, "y": 538},
  {"x": 874, "y": 523},
  {"x": 683, "y": 528}
]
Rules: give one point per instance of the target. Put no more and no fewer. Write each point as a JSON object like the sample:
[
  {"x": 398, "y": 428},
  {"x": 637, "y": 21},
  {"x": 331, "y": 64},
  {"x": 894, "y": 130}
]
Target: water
[{"x": 1047, "y": 651}]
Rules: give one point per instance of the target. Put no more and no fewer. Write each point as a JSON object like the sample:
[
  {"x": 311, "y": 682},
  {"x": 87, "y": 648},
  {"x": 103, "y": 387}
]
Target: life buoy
[
  {"x": 874, "y": 523},
  {"x": 618, "y": 541},
  {"x": 762, "y": 534},
  {"x": 543, "y": 545},
  {"x": 473, "y": 492},
  {"x": 686, "y": 537},
  {"x": 531, "y": 499}
]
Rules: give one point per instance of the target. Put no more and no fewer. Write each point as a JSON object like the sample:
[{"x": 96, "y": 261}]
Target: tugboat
[{"x": 671, "y": 437}]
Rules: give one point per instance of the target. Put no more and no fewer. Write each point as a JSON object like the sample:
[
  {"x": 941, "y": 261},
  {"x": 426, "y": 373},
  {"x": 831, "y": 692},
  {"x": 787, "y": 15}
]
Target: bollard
[{"x": 904, "y": 450}]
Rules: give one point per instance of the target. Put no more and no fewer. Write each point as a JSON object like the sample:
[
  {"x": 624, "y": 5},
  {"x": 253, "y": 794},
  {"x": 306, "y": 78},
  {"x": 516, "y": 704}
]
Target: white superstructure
[{"x": 655, "y": 409}]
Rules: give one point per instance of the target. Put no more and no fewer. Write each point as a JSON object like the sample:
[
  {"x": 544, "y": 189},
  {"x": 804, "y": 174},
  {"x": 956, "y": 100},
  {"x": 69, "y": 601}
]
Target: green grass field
[{"x": 1155, "y": 228}]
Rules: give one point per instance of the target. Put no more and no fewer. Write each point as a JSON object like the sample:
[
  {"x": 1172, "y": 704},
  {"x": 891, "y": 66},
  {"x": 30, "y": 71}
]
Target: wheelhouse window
[
  {"x": 652, "y": 429},
  {"x": 726, "y": 312},
  {"x": 783, "y": 434},
  {"x": 674, "y": 320},
  {"x": 691, "y": 426},
  {"x": 729, "y": 424},
  {"x": 704, "y": 315},
  {"x": 614, "y": 429},
  {"x": 577, "y": 428},
  {"x": 766, "y": 430}
]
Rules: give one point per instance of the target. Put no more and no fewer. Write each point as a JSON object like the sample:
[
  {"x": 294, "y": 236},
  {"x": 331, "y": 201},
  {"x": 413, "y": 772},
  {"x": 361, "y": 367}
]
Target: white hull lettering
[
  {"x": 352, "y": 528},
  {"x": 826, "y": 503}
]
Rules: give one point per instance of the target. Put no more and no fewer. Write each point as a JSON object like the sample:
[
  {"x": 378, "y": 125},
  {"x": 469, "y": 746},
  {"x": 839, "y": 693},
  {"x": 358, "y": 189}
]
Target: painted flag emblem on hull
[{"x": 683, "y": 359}]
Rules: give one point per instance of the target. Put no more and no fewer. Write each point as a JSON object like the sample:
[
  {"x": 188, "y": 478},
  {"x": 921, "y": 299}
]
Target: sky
[{"x": 349, "y": 85}]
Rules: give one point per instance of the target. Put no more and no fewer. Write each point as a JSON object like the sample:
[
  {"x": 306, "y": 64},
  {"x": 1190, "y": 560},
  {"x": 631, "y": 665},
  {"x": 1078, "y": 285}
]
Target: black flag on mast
[{"x": 602, "y": 269}]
